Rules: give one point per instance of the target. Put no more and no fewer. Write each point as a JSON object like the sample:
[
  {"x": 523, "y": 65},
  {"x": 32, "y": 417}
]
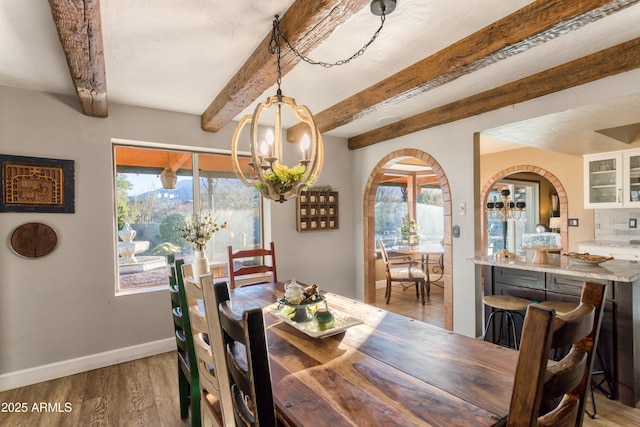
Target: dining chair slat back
[
  {"x": 245, "y": 344},
  {"x": 215, "y": 395},
  {"x": 243, "y": 274},
  {"x": 188, "y": 381},
  {"x": 541, "y": 383}
]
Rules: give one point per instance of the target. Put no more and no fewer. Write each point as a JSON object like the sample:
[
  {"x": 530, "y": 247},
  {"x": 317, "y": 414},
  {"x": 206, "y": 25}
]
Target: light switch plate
[
  {"x": 633, "y": 223},
  {"x": 572, "y": 222}
]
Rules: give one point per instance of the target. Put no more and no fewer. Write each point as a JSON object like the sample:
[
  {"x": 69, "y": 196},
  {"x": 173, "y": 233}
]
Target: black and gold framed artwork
[{"x": 34, "y": 184}]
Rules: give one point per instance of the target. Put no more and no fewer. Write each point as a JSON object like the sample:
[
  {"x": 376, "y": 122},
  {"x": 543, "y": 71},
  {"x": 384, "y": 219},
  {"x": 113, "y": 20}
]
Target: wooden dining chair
[
  {"x": 541, "y": 383},
  {"x": 245, "y": 269},
  {"x": 245, "y": 344},
  {"x": 562, "y": 307},
  {"x": 188, "y": 381},
  {"x": 403, "y": 269},
  {"x": 215, "y": 392}
]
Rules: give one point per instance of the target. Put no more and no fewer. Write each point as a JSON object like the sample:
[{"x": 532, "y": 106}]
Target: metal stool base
[{"x": 506, "y": 317}]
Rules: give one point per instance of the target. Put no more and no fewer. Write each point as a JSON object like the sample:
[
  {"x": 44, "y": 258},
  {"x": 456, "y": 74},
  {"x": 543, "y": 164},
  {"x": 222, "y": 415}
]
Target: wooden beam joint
[{"x": 306, "y": 25}]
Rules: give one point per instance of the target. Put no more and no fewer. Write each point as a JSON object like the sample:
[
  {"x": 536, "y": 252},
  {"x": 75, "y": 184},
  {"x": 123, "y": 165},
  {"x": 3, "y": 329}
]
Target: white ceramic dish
[{"x": 587, "y": 259}]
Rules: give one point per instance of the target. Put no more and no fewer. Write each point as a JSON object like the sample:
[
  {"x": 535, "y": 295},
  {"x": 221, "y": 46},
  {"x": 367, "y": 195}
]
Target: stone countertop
[
  {"x": 617, "y": 270},
  {"x": 612, "y": 243}
]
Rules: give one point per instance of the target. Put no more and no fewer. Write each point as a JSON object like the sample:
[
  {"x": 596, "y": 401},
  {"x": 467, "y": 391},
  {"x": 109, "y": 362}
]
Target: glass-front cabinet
[
  {"x": 612, "y": 180},
  {"x": 631, "y": 185}
]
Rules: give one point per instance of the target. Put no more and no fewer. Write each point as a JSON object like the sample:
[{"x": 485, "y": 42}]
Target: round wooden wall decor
[{"x": 33, "y": 240}]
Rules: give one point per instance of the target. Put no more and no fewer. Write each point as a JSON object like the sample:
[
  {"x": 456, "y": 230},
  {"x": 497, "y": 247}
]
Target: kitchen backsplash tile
[{"x": 613, "y": 224}]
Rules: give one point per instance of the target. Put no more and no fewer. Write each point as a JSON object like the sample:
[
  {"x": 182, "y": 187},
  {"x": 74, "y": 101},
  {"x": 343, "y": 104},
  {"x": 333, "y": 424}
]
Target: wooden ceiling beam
[
  {"x": 534, "y": 24},
  {"x": 421, "y": 180},
  {"x": 306, "y": 24},
  {"x": 607, "y": 62},
  {"x": 80, "y": 31},
  {"x": 428, "y": 180},
  {"x": 178, "y": 160},
  {"x": 159, "y": 159}
]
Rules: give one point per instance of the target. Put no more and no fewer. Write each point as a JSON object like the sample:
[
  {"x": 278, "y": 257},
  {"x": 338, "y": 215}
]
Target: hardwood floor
[
  {"x": 144, "y": 392},
  {"x": 405, "y": 302}
]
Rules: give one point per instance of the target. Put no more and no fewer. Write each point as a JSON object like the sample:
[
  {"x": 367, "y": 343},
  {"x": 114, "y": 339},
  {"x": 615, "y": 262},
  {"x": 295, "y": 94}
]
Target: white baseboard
[{"x": 86, "y": 363}]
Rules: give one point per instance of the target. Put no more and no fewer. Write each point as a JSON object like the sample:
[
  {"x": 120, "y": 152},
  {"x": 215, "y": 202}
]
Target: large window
[
  {"x": 409, "y": 189},
  {"x": 430, "y": 214},
  {"x": 150, "y": 217},
  {"x": 391, "y": 207}
]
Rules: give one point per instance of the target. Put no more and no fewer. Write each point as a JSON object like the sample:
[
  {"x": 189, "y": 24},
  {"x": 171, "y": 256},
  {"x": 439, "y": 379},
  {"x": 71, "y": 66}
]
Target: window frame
[{"x": 195, "y": 152}]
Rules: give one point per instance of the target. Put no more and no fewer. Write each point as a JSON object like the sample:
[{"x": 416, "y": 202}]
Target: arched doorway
[
  {"x": 369, "y": 227},
  {"x": 562, "y": 198}
]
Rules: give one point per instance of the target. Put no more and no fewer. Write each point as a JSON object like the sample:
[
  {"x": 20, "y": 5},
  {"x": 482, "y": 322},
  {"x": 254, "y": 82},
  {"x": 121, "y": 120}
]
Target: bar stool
[
  {"x": 507, "y": 306},
  {"x": 563, "y": 307}
]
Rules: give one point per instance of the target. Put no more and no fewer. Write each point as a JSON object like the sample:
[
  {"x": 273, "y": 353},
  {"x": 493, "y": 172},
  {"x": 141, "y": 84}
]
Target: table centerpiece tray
[
  {"x": 341, "y": 320},
  {"x": 303, "y": 311}
]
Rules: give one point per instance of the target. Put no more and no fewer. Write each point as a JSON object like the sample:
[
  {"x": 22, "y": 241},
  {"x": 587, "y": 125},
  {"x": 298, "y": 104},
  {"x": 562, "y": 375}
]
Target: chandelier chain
[{"x": 274, "y": 46}]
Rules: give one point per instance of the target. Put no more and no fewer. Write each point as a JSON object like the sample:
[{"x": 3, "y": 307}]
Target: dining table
[{"x": 382, "y": 370}]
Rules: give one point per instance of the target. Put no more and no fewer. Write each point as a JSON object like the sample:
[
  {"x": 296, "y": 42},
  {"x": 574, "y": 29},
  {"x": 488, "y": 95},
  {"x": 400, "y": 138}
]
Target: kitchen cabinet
[
  {"x": 612, "y": 180},
  {"x": 631, "y": 179}
]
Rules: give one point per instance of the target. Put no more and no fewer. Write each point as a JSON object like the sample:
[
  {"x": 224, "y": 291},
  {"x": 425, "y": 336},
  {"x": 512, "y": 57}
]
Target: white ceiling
[{"x": 177, "y": 55}]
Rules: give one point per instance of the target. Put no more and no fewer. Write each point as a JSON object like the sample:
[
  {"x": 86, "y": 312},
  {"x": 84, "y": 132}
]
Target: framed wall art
[{"x": 34, "y": 184}]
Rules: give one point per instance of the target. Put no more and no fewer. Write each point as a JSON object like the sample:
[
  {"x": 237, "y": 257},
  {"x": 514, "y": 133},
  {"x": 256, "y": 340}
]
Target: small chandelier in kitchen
[
  {"x": 274, "y": 179},
  {"x": 504, "y": 210}
]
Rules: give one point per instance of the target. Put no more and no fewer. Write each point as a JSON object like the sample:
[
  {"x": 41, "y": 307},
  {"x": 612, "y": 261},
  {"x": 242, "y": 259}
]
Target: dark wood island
[{"x": 562, "y": 280}]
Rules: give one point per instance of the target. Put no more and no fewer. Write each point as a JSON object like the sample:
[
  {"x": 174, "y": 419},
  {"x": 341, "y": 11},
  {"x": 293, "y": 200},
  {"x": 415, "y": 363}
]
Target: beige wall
[
  {"x": 59, "y": 313},
  {"x": 568, "y": 169}
]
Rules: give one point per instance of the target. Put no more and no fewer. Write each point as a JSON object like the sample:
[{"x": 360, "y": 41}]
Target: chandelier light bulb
[
  {"x": 304, "y": 146},
  {"x": 270, "y": 139}
]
